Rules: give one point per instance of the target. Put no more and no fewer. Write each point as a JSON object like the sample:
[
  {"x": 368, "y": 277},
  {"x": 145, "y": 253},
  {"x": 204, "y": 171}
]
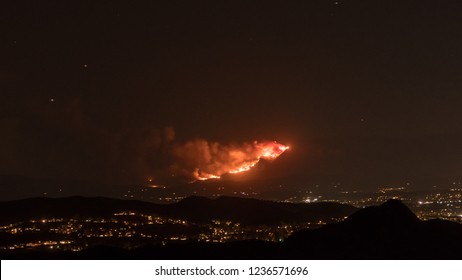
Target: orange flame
[{"x": 244, "y": 159}]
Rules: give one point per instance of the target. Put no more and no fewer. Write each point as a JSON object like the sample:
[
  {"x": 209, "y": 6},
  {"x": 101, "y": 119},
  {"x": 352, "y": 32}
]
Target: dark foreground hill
[
  {"x": 388, "y": 231},
  {"x": 194, "y": 209}
]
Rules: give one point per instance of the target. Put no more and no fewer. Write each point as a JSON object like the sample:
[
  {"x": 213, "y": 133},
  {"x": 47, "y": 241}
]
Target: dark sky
[{"x": 364, "y": 92}]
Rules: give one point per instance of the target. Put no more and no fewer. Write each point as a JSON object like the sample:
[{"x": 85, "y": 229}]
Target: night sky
[{"x": 364, "y": 92}]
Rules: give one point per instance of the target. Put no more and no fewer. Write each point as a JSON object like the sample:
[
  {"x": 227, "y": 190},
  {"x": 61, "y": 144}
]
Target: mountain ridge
[{"x": 194, "y": 209}]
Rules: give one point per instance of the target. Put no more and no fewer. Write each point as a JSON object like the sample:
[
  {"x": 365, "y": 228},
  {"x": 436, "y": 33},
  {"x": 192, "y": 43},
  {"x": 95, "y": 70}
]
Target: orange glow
[
  {"x": 201, "y": 176},
  {"x": 242, "y": 159}
]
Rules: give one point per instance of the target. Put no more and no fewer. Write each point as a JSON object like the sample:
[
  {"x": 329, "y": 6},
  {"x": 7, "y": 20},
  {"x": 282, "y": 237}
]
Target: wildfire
[
  {"x": 204, "y": 176},
  {"x": 232, "y": 160}
]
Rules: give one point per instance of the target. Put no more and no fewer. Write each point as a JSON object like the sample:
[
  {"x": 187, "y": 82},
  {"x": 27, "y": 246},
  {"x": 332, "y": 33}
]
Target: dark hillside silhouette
[{"x": 388, "y": 231}]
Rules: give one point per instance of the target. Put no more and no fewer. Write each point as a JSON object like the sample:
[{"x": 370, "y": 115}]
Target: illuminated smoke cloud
[{"x": 203, "y": 160}]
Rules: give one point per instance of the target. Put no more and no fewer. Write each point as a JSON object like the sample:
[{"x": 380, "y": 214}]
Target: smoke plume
[{"x": 203, "y": 160}]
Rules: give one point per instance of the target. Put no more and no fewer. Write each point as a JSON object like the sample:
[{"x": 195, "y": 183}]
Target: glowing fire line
[{"x": 266, "y": 150}]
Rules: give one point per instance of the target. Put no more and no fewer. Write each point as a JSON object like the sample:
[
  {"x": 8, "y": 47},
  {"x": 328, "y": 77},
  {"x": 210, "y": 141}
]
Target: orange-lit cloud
[{"x": 203, "y": 160}]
